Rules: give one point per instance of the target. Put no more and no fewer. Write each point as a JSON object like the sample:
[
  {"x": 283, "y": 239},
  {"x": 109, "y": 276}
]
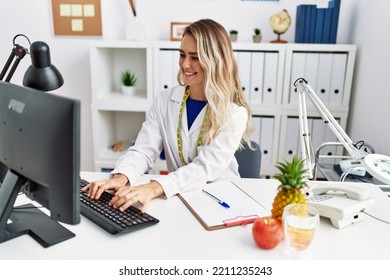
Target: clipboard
[{"x": 243, "y": 208}]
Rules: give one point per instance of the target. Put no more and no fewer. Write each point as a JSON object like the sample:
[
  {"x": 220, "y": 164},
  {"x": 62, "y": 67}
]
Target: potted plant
[
  {"x": 257, "y": 35},
  {"x": 233, "y": 35},
  {"x": 129, "y": 81}
]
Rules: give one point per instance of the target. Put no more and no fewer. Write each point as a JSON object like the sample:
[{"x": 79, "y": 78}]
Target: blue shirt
[{"x": 193, "y": 109}]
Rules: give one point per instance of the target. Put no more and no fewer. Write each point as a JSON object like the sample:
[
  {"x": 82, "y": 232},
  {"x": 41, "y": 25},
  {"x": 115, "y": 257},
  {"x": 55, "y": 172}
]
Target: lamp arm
[
  {"x": 303, "y": 89},
  {"x": 306, "y": 144},
  {"x": 7, "y": 64},
  {"x": 17, "y": 52},
  {"x": 18, "y": 58}
]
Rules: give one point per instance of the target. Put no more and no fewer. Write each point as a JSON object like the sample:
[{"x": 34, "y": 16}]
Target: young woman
[{"x": 200, "y": 124}]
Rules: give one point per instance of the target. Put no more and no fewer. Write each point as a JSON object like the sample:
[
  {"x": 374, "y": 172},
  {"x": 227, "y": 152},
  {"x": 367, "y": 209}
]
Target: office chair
[{"x": 249, "y": 161}]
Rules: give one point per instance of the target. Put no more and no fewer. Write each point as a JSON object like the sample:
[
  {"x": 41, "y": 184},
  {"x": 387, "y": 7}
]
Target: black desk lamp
[{"x": 41, "y": 74}]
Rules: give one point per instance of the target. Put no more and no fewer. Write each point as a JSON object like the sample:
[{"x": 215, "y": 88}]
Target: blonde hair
[{"x": 222, "y": 84}]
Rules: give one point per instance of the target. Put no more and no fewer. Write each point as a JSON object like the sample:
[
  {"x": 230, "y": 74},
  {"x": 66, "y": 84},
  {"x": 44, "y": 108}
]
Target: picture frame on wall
[{"x": 177, "y": 30}]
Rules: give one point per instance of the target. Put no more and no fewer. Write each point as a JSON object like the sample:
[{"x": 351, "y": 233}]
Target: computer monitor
[{"x": 40, "y": 157}]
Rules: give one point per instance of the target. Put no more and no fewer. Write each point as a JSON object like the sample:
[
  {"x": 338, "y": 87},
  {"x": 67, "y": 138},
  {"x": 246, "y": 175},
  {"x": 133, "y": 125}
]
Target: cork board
[{"x": 77, "y": 17}]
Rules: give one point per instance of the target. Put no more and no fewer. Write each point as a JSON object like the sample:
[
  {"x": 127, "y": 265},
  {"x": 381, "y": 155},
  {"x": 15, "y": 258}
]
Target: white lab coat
[{"x": 159, "y": 130}]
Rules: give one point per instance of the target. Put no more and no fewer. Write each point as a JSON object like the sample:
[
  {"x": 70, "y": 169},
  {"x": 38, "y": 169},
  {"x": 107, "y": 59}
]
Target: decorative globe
[{"x": 280, "y": 23}]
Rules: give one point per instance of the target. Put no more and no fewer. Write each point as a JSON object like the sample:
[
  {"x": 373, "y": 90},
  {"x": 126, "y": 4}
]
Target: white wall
[
  {"x": 370, "y": 104},
  {"x": 70, "y": 54}
]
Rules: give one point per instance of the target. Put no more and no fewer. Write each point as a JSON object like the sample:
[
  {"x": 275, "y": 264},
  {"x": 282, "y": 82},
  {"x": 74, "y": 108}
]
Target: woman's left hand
[{"x": 126, "y": 196}]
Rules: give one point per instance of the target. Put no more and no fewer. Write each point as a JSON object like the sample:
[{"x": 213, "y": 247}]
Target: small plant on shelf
[
  {"x": 256, "y": 35},
  {"x": 233, "y": 35},
  {"x": 129, "y": 78}
]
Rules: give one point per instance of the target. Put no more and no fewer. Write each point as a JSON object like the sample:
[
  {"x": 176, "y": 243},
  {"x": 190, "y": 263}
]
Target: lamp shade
[
  {"x": 42, "y": 74},
  {"x": 378, "y": 166}
]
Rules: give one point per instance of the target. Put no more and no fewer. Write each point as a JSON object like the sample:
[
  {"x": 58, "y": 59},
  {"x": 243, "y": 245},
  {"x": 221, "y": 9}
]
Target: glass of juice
[{"x": 300, "y": 222}]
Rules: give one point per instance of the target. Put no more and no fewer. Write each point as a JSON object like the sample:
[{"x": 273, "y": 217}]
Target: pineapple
[{"x": 292, "y": 181}]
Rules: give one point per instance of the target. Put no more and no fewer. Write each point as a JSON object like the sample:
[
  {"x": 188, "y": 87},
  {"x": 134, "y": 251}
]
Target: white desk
[{"x": 179, "y": 236}]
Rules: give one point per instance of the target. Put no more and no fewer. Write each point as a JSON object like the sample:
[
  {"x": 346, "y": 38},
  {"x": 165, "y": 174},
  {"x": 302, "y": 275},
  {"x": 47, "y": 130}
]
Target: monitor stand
[{"x": 26, "y": 219}]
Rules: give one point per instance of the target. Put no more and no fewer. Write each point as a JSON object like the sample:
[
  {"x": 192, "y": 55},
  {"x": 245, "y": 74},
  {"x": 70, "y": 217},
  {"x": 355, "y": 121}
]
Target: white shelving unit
[
  {"x": 267, "y": 72},
  {"x": 115, "y": 116}
]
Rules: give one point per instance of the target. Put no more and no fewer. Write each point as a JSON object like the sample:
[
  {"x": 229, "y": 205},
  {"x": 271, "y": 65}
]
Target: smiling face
[{"x": 192, "y": 71}]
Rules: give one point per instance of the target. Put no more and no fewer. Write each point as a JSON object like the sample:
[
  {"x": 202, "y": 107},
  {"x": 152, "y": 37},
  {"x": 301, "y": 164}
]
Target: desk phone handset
[{"x": 340, "y": 202}]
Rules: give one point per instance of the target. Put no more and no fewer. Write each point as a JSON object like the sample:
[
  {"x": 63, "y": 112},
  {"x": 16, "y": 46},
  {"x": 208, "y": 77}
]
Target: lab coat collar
[{"x": 177, "y": 93}]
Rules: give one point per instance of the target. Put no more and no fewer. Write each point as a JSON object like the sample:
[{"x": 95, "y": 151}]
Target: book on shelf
[
  {"x": 335, "y": 5},
  {"x": 326, "y": 30},
  {"x": 310, "y": 22},
  {"x": 319, "y": 25},
  {"x": 300, "y": 24}
]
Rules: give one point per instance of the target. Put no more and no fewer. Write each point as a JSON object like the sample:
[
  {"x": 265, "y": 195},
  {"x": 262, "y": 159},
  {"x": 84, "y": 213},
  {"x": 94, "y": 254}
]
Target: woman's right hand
[{"x": 95, "y": 189}]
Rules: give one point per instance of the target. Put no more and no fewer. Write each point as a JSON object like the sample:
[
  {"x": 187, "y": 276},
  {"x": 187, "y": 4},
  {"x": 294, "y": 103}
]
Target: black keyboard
[{"x": 111, "y": 219}]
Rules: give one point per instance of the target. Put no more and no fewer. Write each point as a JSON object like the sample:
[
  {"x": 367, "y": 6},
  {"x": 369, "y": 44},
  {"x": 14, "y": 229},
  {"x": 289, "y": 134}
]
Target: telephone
[{"x": 339, "y": 201}]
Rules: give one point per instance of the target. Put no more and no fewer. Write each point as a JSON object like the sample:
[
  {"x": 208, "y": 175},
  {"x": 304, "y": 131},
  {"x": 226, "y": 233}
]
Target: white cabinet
[{"x": 267, "y": 72}]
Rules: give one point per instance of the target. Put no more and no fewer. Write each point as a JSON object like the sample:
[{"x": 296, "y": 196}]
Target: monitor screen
[{"x": 39, "y": 156}]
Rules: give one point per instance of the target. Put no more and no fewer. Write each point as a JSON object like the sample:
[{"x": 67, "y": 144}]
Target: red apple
[{"x": 267, "y": 232}]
